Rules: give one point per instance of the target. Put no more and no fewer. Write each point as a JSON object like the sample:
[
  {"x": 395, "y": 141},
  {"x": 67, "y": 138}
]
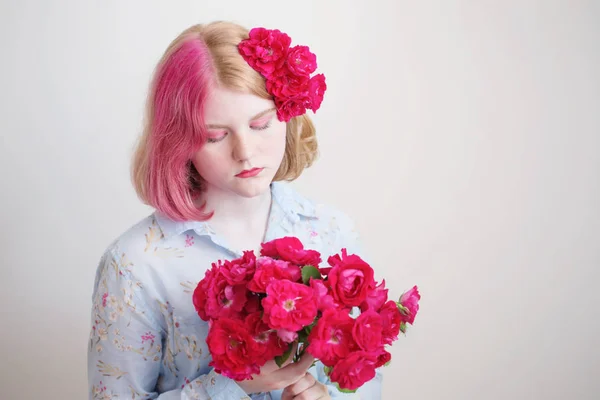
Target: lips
[{"x": 248, "y": 173}]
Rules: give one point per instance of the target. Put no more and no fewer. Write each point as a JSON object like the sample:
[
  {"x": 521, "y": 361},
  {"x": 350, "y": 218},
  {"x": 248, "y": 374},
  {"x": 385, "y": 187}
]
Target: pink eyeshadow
[{"x": 260, "y": 122}]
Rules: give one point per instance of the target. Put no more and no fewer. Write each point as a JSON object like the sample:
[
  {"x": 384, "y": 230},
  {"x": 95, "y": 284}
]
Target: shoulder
[
  {"x": 332, "y": 224},
  {"x": 326, "y": 213},
  {"x": 137, "y": 239},
  {"x": 129, "y": 258},
  {"x": 125, "y": 269}
]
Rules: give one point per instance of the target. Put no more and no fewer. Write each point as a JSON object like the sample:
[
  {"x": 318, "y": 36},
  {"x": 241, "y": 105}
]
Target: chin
[{"x": 254, "y": 188}]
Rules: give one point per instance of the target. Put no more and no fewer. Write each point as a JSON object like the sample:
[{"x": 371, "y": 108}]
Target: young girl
[{"x": 226, "y": 126}]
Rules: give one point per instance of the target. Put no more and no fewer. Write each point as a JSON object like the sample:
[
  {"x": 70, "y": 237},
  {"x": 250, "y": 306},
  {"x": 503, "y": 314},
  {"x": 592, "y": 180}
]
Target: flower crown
[{"x": 286, "y": 71}]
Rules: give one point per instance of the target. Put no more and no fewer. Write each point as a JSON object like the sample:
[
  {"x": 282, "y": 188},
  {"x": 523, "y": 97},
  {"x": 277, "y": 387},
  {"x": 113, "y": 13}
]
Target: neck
[{"x": 233, "y": 210}]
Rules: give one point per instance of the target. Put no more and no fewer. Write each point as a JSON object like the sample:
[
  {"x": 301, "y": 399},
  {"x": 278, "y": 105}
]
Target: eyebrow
[{"x": 257, "y": 116}]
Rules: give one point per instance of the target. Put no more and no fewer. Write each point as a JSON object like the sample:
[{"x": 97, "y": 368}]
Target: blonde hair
[{"x": 201, "y": 57}]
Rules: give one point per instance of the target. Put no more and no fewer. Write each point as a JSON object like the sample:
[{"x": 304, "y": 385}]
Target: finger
[
  {"x": 268, "y": 367},
  {"x": 306, "y": 382},
  {"x": 302, "y": 365},
  {"x": 271, "y": 366},
  {"x": 315, "y": 392},
  {"x": 294, "y": 372}
]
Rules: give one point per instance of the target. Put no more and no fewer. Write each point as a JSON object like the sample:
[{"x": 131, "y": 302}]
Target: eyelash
[
  {"x": 260, "y": 128},
  {"x": 256, "y": 128}
]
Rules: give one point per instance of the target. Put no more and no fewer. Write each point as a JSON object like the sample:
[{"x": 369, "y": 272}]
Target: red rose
[
  {"x": 288, "y": 305},
  {"x": 291, "y": 107},
  {"x": 252, "y": 303},
  {"x": 331, "y": 338},
  {"x": 287, "y": 336},
  {"x": 214, "y": 297},
  {"x": 232, "y": 348},
  {"x": 354, "y": 370},
  {"x": 268, "y": 270},
  {"x": 240, "y": 270},
  {"x": 390, "y": 318},
  {"x": 383, "y": 358},
  {"x": 265, "y": 50},
  {"x": 286, "y": 86},
  {"x": 350, "y": 279},
  {"x": 316, "y": 91},
  {"x": 376, "y": 297},
  {"x": 301, "y": 61},
  {"x": 291, "y": 249},
  {"x": 367, "y": 331},
  {"x": 200, "y": 295},
  {"x": 410, "y": 302},
  {"x": 322, "y": 294},
  {"x": 268, "y": 345}
]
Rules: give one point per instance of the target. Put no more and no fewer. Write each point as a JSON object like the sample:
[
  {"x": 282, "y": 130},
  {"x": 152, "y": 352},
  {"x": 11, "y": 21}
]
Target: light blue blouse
[{"x": 146, "y": 340}]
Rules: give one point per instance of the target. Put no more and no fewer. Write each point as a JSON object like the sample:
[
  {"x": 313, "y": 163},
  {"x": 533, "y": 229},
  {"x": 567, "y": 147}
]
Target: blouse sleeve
[{"x": 125, "y": 346}]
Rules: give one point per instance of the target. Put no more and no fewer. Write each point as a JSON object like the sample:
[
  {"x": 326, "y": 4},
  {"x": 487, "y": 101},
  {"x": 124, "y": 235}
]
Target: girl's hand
[
  {"x": 272, "y": 377},
  {"x": 307, "y": 388}
]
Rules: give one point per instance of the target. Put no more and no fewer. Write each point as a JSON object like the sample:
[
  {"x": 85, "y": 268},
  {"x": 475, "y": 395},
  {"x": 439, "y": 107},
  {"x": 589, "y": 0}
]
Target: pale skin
[{"x": 244, "y": 133}]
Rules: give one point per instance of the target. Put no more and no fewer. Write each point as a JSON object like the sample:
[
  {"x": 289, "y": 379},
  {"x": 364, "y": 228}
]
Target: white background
[{"x": 462, "y": 136}]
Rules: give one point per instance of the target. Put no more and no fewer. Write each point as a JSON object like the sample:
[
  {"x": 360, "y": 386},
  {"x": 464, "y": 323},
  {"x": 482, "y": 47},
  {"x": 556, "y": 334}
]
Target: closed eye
[
  {"x": 216, "y": 139},
  {"x": 261, "y": 127},
  {"x": 224, "y": 134}
]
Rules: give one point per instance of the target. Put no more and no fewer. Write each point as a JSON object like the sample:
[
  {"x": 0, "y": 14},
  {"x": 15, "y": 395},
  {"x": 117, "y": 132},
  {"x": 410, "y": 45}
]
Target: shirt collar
[{"x": 283, "y": 195}]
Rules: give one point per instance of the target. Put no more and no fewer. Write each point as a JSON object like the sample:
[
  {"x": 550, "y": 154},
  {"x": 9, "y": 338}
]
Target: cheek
[
  {"x": 207, "y": 163},
  {"x": 275, "y": 143}
]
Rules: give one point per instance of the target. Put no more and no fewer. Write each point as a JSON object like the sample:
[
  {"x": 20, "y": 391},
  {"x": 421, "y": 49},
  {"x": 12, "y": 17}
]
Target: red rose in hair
[
  {"x": 291, "y": 107},
  {"x": 265, "y": 50},
  {"x": 350, "y": 279},
  {"x": 301, "y": 61},
  {"x": 233, "y": 349},
  {"x": 288, "y": 86},
  {"x": 316, "y": 91},
  {"x": 286, "y": 71}
]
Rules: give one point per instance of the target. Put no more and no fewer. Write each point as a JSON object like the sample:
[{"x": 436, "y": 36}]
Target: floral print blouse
[{"x": 146, "y": 340}]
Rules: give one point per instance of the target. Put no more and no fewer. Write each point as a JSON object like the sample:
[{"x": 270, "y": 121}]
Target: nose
[{"x": 243, "y": 147}]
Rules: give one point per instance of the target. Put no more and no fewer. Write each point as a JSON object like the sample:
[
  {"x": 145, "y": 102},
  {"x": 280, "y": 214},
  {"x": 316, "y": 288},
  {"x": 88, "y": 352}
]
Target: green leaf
[
  {"x": 307, "y": 329},
  {"x": 327, "y": 370},
  {"x": 344, "y": 390},
  {"x": 308, "y": 271},
  {"x": 403, "y": 310},
  {"x": 403, "y": 327},
  {"x": 302, "y": 336},
  {"x": 387, "y": 363},
  {"x": 283, "y": 358}
]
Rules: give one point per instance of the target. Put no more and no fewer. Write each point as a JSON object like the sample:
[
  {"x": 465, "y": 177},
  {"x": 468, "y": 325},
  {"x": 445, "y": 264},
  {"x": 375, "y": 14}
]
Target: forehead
[{"x": 225, "y": 106}]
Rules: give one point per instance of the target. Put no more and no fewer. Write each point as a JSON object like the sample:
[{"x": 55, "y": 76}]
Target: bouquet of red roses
[{"x": 260, "y": 308}]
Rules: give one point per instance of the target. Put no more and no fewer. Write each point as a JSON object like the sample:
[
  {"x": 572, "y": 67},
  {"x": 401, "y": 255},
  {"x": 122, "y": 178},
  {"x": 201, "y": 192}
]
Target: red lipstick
[{"x": 249, "y": 173}]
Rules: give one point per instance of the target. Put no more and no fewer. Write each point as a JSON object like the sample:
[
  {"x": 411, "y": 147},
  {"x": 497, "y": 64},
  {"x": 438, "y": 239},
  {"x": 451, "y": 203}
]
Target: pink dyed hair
[{"x": 200, "y": 58}]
